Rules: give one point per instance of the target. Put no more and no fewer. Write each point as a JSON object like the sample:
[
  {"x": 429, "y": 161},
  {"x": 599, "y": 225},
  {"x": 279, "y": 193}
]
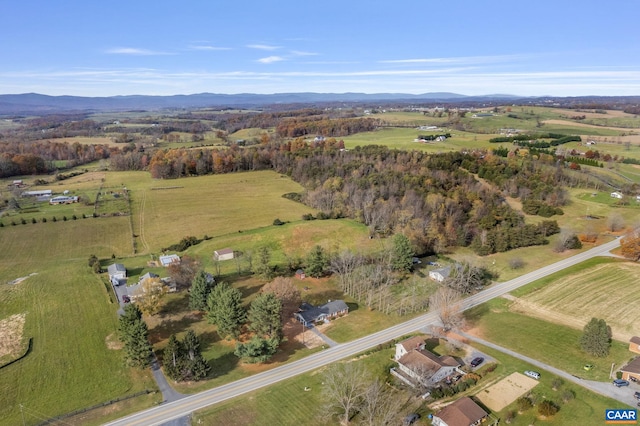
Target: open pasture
[
  {"x": 603, "y": 290},
  {"x": 69, "y": 315},
  {"x": 164, "y": 212}
]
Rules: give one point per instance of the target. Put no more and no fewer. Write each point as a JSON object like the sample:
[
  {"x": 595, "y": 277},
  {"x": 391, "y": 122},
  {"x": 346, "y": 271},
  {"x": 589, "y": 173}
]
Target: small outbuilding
[
  {"x": 617, "y": 195},
  {"x": 169, "y": 259},
  {"x": 463, "y": 412},
  {"x": 300, "y": 274},
  {"x": 223, "y": 254},
  {"x": 634, "y": 344}
]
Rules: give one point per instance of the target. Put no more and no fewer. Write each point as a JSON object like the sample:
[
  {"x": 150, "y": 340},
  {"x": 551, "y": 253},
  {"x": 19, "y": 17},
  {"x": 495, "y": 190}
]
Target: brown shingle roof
[
  {"x": 632, "y": 367},
  {"x": 422, "y": 360},
  {"x": 412, "y": 343},
  {"x": 463, "y": 412},
  {"x": 635, "y": 339}
]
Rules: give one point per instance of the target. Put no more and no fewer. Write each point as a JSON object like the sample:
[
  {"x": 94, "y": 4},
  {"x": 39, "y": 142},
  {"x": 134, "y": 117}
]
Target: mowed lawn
[
  {"x": 165, "y": 211},
  {"x": 69, "y": 316},
  {"x": 602, "y": 290}
]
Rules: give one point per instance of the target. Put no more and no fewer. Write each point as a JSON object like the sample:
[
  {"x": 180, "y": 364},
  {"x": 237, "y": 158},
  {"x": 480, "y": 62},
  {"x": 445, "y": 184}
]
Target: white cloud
[
  {"x": 455, "y": 60},
  {"x": 135, "y": 51},
  {"x": 303, "y": 53},
  {"x": 270, "y": 59},
  {"x": 207, "y": 47},
  {"x": 263, "y": 47}
]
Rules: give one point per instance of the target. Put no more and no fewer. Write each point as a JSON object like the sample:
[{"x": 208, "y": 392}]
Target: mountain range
[{"x": 34, "y": 103}]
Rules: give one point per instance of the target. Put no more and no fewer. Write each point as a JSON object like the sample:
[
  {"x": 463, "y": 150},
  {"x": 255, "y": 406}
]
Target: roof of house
[
  {"x": 115, "y": 268},
  {"x": 311, "y": 313},
  {"x": 148, "y": 275},
  {"x": 412, "y": 343},
  {"x": 299, "y": 271},
  {"x": 632, "y": 367},
  {"x": 168, "y": 259},
  {"x": 421, "y": 360},
  {"x": 463, "y": 412},
  {"x": 635, "y": 339},
  {"x": 445, "y": 272},
  {"x": 224, "y": 251}
]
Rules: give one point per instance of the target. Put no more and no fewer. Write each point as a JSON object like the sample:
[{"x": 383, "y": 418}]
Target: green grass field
[
  {"x": 69, "y": 316},
  {"x": 554, "y": 344}
]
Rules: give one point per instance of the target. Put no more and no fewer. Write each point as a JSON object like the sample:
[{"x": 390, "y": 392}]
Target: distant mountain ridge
[{"x": 38, "y": 104}]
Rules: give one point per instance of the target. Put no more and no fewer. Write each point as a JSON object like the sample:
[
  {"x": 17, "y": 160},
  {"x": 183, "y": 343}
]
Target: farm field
[
  {"x": 550, "y": 342},
  {"x": 70, "y": 317},
  {"x": 573, "y": 299},
  {"x": 208, "y": 205}
]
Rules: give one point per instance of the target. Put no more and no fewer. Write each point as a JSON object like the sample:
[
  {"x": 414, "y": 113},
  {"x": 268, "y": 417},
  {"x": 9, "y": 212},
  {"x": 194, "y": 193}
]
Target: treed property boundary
[
  {"x": 93, "y": 407},
  {"x": 26, "y": 352}
]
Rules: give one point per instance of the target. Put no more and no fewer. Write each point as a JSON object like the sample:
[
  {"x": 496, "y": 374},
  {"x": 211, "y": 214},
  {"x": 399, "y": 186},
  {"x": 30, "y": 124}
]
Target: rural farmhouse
[
  {"x": 419, "y": 366},
  {"x": 309, "y": 314}
]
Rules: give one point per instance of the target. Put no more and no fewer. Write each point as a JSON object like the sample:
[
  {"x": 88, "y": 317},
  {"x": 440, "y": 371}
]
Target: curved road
[{"x": 173, "y": 410}]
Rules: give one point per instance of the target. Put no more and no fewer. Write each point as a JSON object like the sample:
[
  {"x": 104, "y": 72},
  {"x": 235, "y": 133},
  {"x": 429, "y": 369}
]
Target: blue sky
[{"x": 529, "y": 48}]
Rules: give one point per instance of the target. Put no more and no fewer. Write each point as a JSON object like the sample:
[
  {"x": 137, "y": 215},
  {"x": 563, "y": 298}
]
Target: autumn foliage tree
[
  {"x": 287, "y": 293},
  {"x": 630, "y": 245}
]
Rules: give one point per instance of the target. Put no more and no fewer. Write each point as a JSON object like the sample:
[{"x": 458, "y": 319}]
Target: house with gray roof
[
  {"x": 309, "y": 314},
  {"x": 440, "y": 274},
  {"x": 117, "y": 273}
]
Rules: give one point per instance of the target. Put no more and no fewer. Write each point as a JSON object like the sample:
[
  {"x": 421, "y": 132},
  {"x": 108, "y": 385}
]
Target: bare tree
[
  {"x": 380, "y": 405},
  {"x": 287, "y": 293},
  {"x": 345, "y": 385},
  {"x": 344, "y": 265},
  {"x": 615, "y": 222},
  {"x": 466, "y": 277},
  {"x": 446, "y": 302}
]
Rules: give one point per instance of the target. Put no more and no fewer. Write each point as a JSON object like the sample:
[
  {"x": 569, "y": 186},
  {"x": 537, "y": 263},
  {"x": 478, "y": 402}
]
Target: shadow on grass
[
  {"x": 474, "y": 314},
  {"x": 175, "y": 305},
  {"x": 223, "y": 365},
  {"x": 134, "y": 272},
  {"x": 167, "y": 327},
  {"x": 207, "y": 339},
  {"x": 323, "y": 297}
]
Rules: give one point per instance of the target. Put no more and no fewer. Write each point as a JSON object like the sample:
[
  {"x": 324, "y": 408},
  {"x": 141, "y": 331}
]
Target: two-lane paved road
[{"x": 163, "y": 413}]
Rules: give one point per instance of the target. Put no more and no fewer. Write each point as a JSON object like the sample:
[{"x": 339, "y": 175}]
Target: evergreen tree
[
  {"x": 172, "y": 357},
  {"x": 317, "y": 262},
  {"x": 596, "y": 338},
  {"x": 200, "y": 289},
  {"x": 402, "y": 255},
  {"x": 225, "y": 310},
  {"x": 264, "y": 315},
  {"x": 262, "y": 266},
  {"x": 257, "y": 349},
  {"x": 135, "y": 336},
  {"x": 195, "y": 367}
]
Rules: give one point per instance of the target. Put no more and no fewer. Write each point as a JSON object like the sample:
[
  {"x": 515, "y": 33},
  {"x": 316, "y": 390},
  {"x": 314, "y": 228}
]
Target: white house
[
  {"x": 169, "y": 259},
  {"x": 407, "y": 345},
  {"x": 117, "y": 273},
  {"x": 440, "y": 274},
  {"x": 223, "y": 254},
  {"x": 422, "y": 366},
  {"x": 616, "y": 194}
]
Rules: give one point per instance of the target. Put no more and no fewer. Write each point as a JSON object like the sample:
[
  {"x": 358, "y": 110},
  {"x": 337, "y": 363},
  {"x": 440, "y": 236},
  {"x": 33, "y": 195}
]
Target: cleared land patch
[
  {"x": 507, "y": 390},
  {"x": 602, "y": 290},
  {"x": 11, "y": 329}
]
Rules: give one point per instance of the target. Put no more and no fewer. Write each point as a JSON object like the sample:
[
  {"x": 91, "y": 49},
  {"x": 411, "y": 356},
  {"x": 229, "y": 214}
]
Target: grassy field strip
[{"x": 602, "y": 291}]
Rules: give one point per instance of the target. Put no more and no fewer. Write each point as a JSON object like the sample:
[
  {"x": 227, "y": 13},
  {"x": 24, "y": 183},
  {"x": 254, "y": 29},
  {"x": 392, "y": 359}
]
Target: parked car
[
  {"x": 125, "y": 298},
  {"x": 532, "y": 374},
  {"x": 619, "y": 383},
  {"x": 477, "y": 361},
  {"x": 411, "y": 419},
  {"x": 637, "y": 395},
  {"x": 588, "y": 367}
]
